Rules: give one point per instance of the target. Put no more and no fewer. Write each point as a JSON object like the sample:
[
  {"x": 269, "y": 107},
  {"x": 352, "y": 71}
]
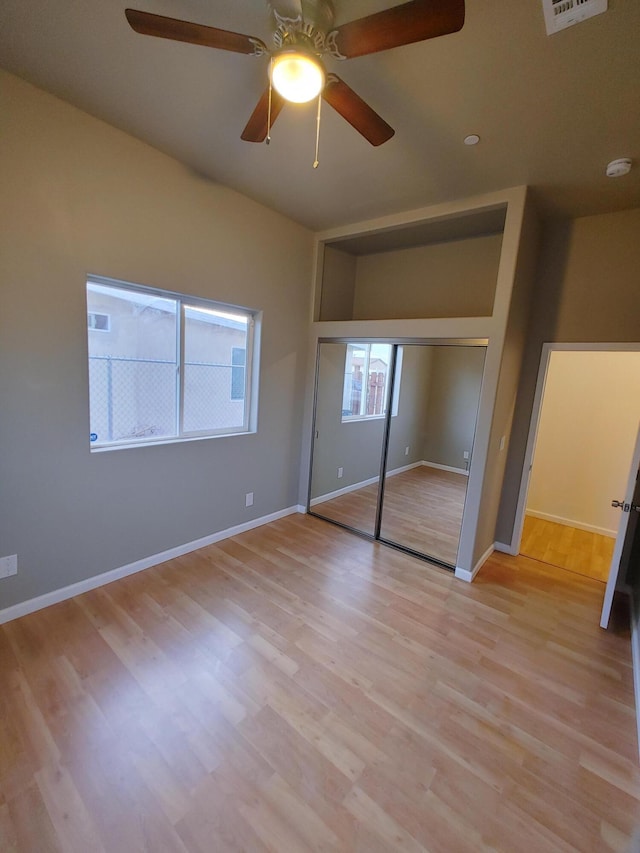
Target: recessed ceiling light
[
  {"x": 618, "y": 168},
  {"x": 472, "y": 139}
]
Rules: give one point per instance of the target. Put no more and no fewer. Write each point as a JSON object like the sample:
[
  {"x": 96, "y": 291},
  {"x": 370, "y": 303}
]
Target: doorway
[{"x": 581, "y": 440}]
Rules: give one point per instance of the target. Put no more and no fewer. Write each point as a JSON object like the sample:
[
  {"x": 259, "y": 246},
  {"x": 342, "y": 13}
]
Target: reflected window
[{"x": 366, "y": 380}]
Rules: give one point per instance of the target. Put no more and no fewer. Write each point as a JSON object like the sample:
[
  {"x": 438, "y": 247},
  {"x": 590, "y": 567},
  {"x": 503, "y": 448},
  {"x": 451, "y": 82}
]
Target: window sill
[{"x": 129, "y": 445}]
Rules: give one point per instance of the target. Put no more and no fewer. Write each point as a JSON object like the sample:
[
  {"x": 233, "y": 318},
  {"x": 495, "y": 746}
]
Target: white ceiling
[{"x": 551, "y": 111}]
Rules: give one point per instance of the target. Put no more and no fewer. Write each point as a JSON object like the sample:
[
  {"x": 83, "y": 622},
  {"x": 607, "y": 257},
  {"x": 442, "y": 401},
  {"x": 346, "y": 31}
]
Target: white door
[{"x": 630, "y": 508}]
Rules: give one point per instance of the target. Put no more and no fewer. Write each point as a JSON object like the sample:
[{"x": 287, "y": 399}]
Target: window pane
[
  {"x": 132, "y": 365},
  {"x": 379, "y": 359},
  {"x": 238, "y": 380},
  {"x": 214, "y": 384},
  {"x": 354, "y": 391}
]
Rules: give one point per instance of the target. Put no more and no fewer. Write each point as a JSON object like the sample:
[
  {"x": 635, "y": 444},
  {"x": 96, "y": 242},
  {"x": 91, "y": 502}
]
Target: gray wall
[
  {"x": 453, "y": 279},
  {"x": 355, "y": 446},
  {"x": 80, "y": 197},
  {"x": 586, "y": 290},
  {"x": 456, "y": 378},
  {"x": 408, "y": 428},
  {"x": 456, "y": 279},
  {"x": 338, "y": 285}
]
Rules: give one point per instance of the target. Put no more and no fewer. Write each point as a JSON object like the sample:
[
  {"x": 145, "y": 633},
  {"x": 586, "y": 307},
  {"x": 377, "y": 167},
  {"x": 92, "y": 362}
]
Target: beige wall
[
  {"x": 456, "y": 279},
  {"x": 78, "y": 196},
  {"x": 338, "y": 285},
  {"x": 586, "y": 290},
  {"x": 587, "y": 433}
]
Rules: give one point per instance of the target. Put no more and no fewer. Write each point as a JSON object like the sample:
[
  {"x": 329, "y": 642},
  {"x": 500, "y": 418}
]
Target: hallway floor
[{"x": 579, "y": 551}]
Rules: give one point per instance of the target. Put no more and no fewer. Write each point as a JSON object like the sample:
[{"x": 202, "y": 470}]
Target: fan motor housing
[{"x": 311, "y": 18}]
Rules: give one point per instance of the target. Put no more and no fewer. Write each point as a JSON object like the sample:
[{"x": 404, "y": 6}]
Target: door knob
[{"x": 624, "y": 506}]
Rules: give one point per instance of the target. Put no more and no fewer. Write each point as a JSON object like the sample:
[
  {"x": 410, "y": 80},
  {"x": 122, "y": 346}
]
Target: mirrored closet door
[{"x": 393, "y": 437}]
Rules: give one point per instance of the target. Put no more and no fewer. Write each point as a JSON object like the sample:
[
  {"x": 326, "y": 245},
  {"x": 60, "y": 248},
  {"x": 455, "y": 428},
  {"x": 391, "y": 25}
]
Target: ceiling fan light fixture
[{"x": 297, "y": 75}]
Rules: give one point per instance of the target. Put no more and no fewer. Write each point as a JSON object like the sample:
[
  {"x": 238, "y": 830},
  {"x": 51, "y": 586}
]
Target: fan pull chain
[
  {"x": 316, "y": 162},
  {"x": 269, "y": 109}
]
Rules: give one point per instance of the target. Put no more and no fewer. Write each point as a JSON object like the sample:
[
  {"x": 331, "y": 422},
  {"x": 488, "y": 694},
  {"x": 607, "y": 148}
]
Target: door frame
[{"x": 543, "y": 370}]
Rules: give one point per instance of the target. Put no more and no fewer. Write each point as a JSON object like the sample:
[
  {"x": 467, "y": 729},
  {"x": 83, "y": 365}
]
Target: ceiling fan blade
[
  {"x": 171, "y": 28},
  {"x": 257, "y": 126},
  {"x": 410, "y": 22},
  {"x": 356, "y": 111}
]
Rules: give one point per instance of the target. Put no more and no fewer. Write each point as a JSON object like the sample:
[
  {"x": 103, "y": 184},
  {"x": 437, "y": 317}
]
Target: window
[
  {"x": 238, "y": 361},
  {"x": 366, "y": 381},
  {"x": 98, "y": 322},
  {"x": 171, "y": 368}
]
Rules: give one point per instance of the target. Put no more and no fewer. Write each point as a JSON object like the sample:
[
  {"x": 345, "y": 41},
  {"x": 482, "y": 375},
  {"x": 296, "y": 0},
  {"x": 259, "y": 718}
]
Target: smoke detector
[
  {"x": 619, "y": 168},
  {"x": 559, "y": 14}
]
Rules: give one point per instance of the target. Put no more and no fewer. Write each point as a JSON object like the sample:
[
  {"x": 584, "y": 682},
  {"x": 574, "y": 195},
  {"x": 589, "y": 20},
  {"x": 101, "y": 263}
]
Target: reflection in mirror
[
  {"x": 352, "y": 390},
  {"x": 429, "y": 451}
]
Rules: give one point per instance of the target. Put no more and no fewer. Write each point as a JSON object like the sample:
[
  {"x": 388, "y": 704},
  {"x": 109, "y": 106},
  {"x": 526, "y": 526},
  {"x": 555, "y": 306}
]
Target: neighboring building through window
[
  {"x": 171, "y": 366},
  {"x": 98, "y": 322},
  {"x": 366, "y": 381}
]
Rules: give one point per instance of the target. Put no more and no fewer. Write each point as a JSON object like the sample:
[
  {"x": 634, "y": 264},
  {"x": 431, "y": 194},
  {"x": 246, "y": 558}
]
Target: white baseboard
[
  {"x": 571, "y": 522},
  {"x": 505, "y": 549},
  {"x": 355, "y": 486},
  {"x": 446, "y": 468},
  {"x": 404, "y": 468},
  {"x": 468, "y": 576},
  {"x": 66, "y": 592},
  {"x": 343, "y": 491}
]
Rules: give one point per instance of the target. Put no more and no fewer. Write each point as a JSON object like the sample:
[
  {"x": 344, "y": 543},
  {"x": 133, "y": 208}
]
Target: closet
[
  {"x": 418, "y": 324},
  {"x": 393, "y": 437}
]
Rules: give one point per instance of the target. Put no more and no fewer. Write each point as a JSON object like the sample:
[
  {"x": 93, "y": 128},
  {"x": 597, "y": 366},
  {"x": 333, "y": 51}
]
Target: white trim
[
  {"x": 66, "y": 592},
  {"x": 404, "y": 468},
  {"x": 635, "y": 661},
  {"x": 468, "y": 576},
  {"x": 547, "y": 349},
  {"x": 571, "y": 522},
  {"x": 353, "y": 488},
  {"x": 453, "y": 470},
  {"x": 344, "y": 491},
  {"x": 504, "y": 549}
]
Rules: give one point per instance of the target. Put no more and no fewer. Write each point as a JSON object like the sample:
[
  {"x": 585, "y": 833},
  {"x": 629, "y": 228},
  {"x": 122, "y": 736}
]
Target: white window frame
[{"x": 184, "y": 302}]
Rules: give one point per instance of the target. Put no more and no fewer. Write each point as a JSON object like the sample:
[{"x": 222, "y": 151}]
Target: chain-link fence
[{"x": 133, "y": 398}]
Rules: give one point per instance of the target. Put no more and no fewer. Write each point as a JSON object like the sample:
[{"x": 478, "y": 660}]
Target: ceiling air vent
[{"x": 559, "y": 14}]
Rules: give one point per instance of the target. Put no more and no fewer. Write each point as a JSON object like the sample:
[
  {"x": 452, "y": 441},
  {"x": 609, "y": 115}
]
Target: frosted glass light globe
[{"x": 297, "y": 76}]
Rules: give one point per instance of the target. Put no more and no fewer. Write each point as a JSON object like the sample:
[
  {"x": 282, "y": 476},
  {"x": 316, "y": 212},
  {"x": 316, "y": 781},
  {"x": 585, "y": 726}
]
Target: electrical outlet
[
  {"x": 340, "y": 473},
  {"x": 406, "y": 451},
  {"x": 8, "y": 566},
  {"x": 465, "y": 455},
  {"x": 248, "y": 499}
]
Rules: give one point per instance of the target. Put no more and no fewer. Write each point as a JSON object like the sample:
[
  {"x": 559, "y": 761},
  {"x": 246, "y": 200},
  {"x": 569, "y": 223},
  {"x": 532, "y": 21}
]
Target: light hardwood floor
[
  {"x": 299, "y": 688},
  {"x": 422, "y": 510},
  {"x": 576, "y": 550}
]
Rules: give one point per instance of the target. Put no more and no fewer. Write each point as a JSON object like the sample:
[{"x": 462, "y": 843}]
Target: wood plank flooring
[
  {"x": 422, "y": 510},
  {"x": 567, "y": 547},
  {"x": 298, "y": 688}
]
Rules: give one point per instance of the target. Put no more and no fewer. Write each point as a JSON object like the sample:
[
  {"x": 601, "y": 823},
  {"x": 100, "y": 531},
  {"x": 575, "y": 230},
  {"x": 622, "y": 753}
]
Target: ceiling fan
[{"x": 304, "y": 33}]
